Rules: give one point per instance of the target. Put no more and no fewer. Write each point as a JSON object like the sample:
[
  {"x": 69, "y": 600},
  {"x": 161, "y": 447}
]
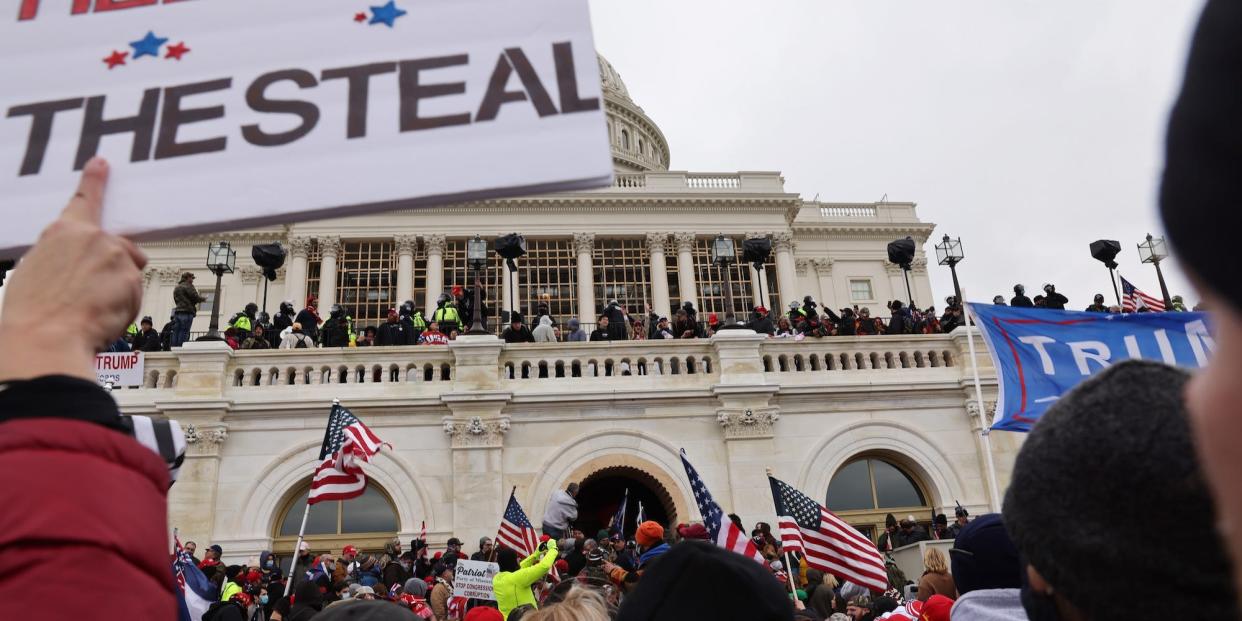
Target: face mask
[
  {"x": 345, "y": 596},
  {"x": 263, "y": 599},
  {"x": 1039, "y": 607}
]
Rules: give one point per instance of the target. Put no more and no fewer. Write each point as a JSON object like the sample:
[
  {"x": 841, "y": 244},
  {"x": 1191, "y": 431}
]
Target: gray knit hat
[{"x": 1106, "y": 494}]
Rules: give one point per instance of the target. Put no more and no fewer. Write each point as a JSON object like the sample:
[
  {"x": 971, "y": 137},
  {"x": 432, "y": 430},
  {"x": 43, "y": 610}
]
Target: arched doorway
[
  {"x": 366, "y": 522},
  {"x": 601, "y": 492},
  {"x": 873, "y": 485}
]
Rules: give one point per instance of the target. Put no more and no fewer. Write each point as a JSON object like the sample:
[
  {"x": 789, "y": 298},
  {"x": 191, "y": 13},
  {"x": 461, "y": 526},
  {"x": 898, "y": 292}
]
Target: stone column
[
  {"x": 192, "y": 501},
  {"x": 434, "y": 245},
  {"x": 685, "y": 268},
  {"x": 660, "y": 302},
  {"x": 168, "y": 277},
  {"x": 747, "y": 420},
  {"x": 784, "y": 245},
  {"x": 756, "y": 290},
  {"x": 295, "y": 276},
  {"x": 584, "y": 245},
  {"x": 406, "y": 245},
  {"x": 823, "y": 277},
  {"x": 150, "y": 295},
  {"x": 476, "y": 429},
  {"x": 329, "y": 248}
]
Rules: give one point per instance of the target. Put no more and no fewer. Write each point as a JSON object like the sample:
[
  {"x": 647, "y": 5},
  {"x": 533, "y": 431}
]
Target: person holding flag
[
  {"x": 339, "y": 476},
  {"x": 512, "y": 585},
  {"x": 617, "y": 527}
]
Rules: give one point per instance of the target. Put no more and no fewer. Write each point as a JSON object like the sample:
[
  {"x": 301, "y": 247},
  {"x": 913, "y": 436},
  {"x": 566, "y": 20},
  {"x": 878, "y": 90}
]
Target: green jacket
[
  {"x": 513, "y": 587},
  {"x": 448, "y": 318}
]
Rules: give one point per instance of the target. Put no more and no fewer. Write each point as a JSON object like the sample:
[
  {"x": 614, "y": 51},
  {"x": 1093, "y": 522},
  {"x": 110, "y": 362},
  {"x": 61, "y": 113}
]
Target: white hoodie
[
  {"x": 544, "y": 333},
  {"x": 562, "y": 509}
]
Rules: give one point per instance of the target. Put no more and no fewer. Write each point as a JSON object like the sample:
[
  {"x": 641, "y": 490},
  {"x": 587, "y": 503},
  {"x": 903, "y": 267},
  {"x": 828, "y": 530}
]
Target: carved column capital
[
  {"x": 406, "y": 244},
  {"x": 657, "y": 242},
  {"x": 434, "y": 244},
  {"x": 892, "y": 268},
  {"x": 205, "y": 440},
  {"x": 748, "y": 423},
  {"x": 684, "y": 242},
  {"x": 802, "y": 266},
  {"x": 170, "y": 275},
  {"x": 584, "y": 243},
  {"x": 919, "y": 265},
  {"x": 823, "y": 265},
  {"x": 250, "y": 274},
  {"x": 783, "y": 241},
  {"x": 149, "y": 275},
  {"x": 977, "y": 422},
  {"x": 330, "y": 246},
  {"x": 299, "y": 246},
  {"x": 476, "y": 431}
]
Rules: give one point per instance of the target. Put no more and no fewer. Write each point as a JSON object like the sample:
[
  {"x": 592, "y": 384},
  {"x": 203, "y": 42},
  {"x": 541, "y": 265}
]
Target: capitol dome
[{"x": 638, "y": 145}]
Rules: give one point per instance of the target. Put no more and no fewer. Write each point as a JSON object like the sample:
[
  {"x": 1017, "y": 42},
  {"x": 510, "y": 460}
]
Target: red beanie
[
  {"x": 936, "y": 608},
  {"x": 484, "y": 613},
  {"x": 562, "y": 565},
  {"x": 649, "y": 534}
]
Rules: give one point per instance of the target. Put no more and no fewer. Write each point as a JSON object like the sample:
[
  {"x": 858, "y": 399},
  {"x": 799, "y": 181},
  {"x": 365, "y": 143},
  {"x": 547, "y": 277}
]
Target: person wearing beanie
[
  {"x": 693, "y": 531},
  {"x": 483, "y": 613},
  {"x": 234, "y": 578},
  {"x": 512, "y": 585},
  {"x": 986, "y": 571},
  {"x": 1119, "y": 473},
  {"x": 1203, "y": 154},
  {"x": 688, "y": 583},
  {"x": 887, "y": 540},
  {"x": 651, "y": 546}
]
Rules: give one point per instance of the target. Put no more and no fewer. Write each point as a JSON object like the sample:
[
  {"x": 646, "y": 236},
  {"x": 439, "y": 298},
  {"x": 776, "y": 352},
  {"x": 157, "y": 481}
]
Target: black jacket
[
  {"x": 225, "y": 611},
  {"x": 1021, "y": 301},
  {"x": 391, "y": 334},
  {"x": 1055, "y": 300},
  {"x": 616, "y": 323},
  {"x": 310, "y": 324},
  {"x": 521, "y": 335},
  {"x": 148, "y": 341},
  {"x": 279, "y": 323},
  {"x": 762, "y": 324},
  {"x": 1097, "y": 308},
  {"x": 600, "y": 334},
  {"x": 335, "y": 333}
]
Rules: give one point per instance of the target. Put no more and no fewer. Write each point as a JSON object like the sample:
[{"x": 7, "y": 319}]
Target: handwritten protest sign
[
  {"x": 120, "y": 369},
  {"x": 220, "y": 114},
  {"x": 474, "y": 579}
]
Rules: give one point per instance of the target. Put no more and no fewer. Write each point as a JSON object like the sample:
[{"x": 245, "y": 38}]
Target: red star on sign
[
  {"x": 360, "y": 17},
  {"x": 116, "y": 58},
  {"x": 177, "y": 51}
]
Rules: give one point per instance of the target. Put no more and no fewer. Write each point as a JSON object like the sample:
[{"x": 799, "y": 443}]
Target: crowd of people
[{"x": 292, "y": 328}]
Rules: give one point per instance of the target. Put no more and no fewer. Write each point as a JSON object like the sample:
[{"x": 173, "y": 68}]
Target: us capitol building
[{"x": 871, "y": 425}]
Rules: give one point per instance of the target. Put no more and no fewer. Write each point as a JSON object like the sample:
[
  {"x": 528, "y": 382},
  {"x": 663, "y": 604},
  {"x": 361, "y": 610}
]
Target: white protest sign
[
  {"x": 473, "y": 579},
  {"x": 218, "y": 114},
  {"x": 120, "y": 369}
]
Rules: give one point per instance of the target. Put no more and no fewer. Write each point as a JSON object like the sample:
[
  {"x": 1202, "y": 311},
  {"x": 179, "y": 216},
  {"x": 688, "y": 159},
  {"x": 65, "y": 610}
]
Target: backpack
[{"x": 301, "y": 344}]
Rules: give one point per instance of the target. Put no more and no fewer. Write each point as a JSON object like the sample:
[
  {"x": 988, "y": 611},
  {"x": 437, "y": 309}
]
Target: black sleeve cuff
[{"x": 59, "y": 396}]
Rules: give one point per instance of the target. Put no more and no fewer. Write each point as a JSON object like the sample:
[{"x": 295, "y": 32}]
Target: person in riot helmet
[
  {"x": 282, "y": 321},
  {"x": 1019, "y": 298},
  {"x": 1052, "y": 299},
  {"x": 1097, "y": 305},
  {"x": 338, "y": 330},
  {"x": 998, "y": 300}
]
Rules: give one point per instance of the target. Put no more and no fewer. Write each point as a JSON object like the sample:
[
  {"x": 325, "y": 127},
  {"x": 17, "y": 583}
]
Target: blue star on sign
[
  {"x": 386, "y": 14},
  {"x": 148, "y": 46}
]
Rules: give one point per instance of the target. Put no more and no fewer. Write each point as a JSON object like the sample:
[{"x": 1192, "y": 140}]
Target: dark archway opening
[{"x": 601, "y": 493}]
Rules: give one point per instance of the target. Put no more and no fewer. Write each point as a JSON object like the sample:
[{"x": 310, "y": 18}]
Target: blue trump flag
[{"x": 1040, "y": 354}]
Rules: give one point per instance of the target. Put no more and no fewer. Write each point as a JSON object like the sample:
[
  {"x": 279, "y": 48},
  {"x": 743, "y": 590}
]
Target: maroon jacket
[{"x": 83, "y": 524}]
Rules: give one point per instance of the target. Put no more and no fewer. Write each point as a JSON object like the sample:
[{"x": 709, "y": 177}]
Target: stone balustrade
[{"x": 473, "y": 364}]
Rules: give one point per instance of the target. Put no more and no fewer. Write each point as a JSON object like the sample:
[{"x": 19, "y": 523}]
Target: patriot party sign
[
  {"x": 473, "y": 579},
  {"x": 224, "y": 113},
  {"x": 1041, "y": 354}
]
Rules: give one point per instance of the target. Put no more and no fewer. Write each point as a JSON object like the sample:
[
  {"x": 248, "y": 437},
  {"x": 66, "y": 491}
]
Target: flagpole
[
  {"x": 985, "y": 423},
  {"x": 297, "y": 547}
]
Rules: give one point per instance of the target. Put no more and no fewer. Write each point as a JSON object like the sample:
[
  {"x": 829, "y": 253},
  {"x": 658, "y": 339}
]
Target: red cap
[
  {"x": 350, "y": 550},
  {"x": 242, "y": 598},
  {"x": 693, "y": 531},
  {"x": 936, "y": 608},
  {"x": 544, "y": 538},
  {"x": 760, "y": 309},
  {"x": 484, "y": 613},
  {"x": 562, "y": 565},
  {"x": 254, "y": 577}
]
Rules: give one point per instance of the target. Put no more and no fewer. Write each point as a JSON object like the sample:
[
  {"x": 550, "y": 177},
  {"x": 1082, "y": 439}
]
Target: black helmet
[
  {"x": 1019, "y": 289},
  {"x": 252, "y": 308},
  {"x": 286, "y": 306},
  {"x": 337, "y": 310},
  {"x": 1099, "y": 298}
]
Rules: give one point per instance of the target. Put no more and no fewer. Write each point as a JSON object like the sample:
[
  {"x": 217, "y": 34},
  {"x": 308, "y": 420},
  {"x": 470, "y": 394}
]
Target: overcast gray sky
[{"x": 1029, "y": 129}]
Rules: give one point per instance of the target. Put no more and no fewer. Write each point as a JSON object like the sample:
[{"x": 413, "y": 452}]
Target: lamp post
[
  {"x": 476, "y": 258},
  {"x": 949, "y": 252},
  {"x": 724, "y": 254},
  {"x": 1154, "y": 251},
  {"x": 221, "y": 259}
]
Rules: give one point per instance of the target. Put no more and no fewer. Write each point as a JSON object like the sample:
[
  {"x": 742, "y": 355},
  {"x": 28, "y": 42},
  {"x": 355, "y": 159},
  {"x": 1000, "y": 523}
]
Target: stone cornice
[{"x": 919, "y": 231}]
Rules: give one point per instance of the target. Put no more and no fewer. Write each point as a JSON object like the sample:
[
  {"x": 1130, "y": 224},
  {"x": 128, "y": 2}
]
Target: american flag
[
  {"x": 345, "y": 442},
  {"x": 618, "y": 519},
  {"x": 517, "y": 533},
  {"x": 1133, "y": 298},
  {"x": 724, "y": 532},
  {"x": 827, "y": 542},
  {"x": 457, "y": 608}
]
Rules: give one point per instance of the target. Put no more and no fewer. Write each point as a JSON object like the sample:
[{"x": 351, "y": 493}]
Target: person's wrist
[{"x": 32, "y": 351}]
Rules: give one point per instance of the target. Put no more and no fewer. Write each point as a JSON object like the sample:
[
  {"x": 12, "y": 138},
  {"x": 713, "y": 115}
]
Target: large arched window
[
  {"x": 625, "y": 139},
  {"x": 368, "y": 521},
  {"x": 866, "y": 489}
]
